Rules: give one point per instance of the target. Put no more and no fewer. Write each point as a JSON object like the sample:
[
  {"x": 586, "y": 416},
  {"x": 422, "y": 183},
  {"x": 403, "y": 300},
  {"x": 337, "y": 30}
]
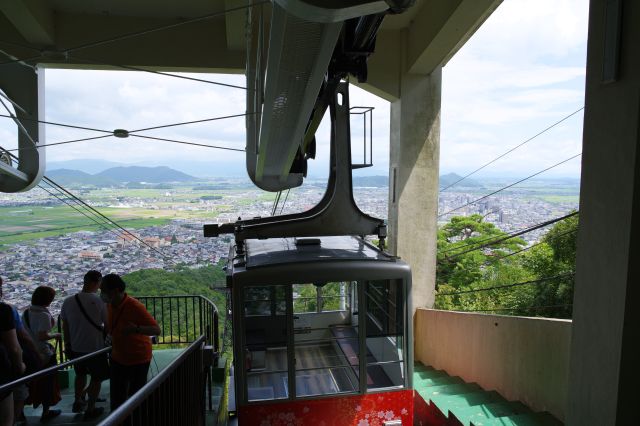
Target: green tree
[
  {"x": 545, "y": 269},
  {"x": 460, "y": 262}
]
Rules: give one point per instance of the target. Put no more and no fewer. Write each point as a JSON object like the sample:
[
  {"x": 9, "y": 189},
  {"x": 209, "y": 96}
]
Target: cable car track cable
[
  {"x": 166, "y": 74},
  {"x": 505, "y": 237},
  {"x": 498, "y": 287},
  {"x": 510, "y": 185},
  {"x": 513, "y": 149}
]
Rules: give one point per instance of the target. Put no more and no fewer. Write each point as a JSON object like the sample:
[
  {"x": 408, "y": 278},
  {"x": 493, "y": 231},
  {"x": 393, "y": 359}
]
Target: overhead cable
[
  {"x": 53, "y": 123},
  {"x": 126, "y": 231},
  {"x": 531, "y": 246},
  {"x": 499, "y": 287},
  {"x": 187, "y": 143},
  {"x": 183, "y": 123},
  {"x": 503, "y": 238},
  {"x": 61, "y": 143},
  {"x": 285, "y": 200},
  {"x": 275, "y": 203},
  {"x": 68, "y": 203},
  {"x": 510, "y": 185},
  {"x": 162, "y": 73},
  {"x": 513, "y": 149}
]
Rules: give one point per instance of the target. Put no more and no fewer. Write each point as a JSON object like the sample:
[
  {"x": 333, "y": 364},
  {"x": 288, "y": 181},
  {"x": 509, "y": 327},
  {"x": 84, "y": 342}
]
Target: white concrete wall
[{"x": 524, "y": 359}]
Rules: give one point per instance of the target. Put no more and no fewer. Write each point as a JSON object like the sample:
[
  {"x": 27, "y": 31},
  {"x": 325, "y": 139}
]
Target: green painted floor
[
  {"x": 161, "y": 358},
  {"x": 470, "y": 404}
]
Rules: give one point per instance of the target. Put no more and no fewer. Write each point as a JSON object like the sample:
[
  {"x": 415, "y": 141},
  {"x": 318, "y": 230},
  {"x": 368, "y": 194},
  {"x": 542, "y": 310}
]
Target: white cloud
[{"x": 522, "y": 71}]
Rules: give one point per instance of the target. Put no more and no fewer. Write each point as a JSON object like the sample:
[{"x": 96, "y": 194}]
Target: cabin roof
[{"x": 276, "y": 251}]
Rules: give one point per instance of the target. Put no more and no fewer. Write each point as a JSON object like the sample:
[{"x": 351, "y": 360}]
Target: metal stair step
[
  {"x": 532, "y": 419},
  {"x": 483, "y": 414},
  {"x": 453, "y": 389},
  {"x": 447, "y": 403}
]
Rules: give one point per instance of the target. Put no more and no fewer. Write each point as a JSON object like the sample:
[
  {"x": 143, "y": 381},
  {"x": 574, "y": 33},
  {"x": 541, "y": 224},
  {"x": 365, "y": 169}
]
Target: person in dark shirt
[
  {"x": 11, "y": 365},
  {"x": 30, "y": 357}
]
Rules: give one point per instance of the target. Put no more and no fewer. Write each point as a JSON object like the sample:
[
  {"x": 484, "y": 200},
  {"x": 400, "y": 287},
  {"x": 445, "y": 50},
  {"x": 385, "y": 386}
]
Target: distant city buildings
[{"x": 61, "y": 261}]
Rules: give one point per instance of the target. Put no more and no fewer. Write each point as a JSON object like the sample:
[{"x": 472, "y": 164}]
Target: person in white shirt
[
  {"x": 39, "y": 322},
  {"x": 83, "y": 317}
]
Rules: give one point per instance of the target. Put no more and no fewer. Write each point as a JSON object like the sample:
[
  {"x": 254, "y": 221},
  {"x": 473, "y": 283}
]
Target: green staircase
[{"x": 469, "y": 405}]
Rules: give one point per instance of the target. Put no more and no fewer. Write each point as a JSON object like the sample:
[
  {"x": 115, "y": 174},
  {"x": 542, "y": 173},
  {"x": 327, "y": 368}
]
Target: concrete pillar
[
  {"x": 605, "y": 351},
  {"x": 413, "y": 177}
]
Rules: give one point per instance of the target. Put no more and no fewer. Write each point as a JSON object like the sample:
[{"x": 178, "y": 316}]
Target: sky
[{"x": 522, "y": 71}]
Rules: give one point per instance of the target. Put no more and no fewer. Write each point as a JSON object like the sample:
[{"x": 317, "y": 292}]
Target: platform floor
[{"x": 161, "y": 358}]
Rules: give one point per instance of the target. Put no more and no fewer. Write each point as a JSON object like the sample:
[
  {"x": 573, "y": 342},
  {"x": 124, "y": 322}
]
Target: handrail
[
  {"x": 127, "y": 408},
  {"x": 192, "y": 314},
  {"x": 54, "y": 368}
]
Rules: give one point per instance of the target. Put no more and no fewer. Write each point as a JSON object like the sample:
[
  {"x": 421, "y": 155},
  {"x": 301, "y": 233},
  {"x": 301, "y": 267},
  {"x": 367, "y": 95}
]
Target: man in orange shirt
[{"x": 130, "y": 326}]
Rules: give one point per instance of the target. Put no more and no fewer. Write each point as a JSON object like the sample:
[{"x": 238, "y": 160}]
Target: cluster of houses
[{"x": 60, "y": 262}]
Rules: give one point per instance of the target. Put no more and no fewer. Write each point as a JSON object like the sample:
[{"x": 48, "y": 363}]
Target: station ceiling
[{"x": 88, "y": 34}]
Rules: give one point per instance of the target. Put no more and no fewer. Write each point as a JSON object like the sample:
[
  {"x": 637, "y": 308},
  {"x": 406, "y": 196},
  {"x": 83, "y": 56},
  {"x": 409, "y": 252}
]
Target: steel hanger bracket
[{"x": 335, "y": 214}]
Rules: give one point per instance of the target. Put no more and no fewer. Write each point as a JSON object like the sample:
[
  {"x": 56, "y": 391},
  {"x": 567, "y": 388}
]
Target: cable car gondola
[
  {"x": 321, "y": 328},
  {"x": 321, "y": 317}
]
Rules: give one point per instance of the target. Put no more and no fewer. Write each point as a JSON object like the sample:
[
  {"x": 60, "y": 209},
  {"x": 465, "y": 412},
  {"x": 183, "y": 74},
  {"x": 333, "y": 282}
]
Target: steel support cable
[
  {"x": 162, "y": 126},
  {"x": 53, "y": 123},
  {"x": 510, "y": 185},
  {"x": 506, "y": 237},
  {"x": 79, "y": 207},
  {"x": 12, "y": 102},
  {"x": 520, "y": 232},
  {"x": 188, "y": 143},
  {"x": 498, "y": 258},
  {"x": 183, "y": 123},
  {"x": 14, "y": 44},
  {"x": 166, "y": 74},
  {"x": 530, "y": 247},
  {"x": 68, "y": 203},
  {"x": 18, "y": 123},
  {"x": 134, "y": 132},
  {"x": 513, "y": 149},
  {"x": 103, "y": 225},
  {"x": 66, "y": 191},
  {"x": 15, "y": 60},
  {"x": 499, "y": 287},
  {"x": 284, "y": 203},
  {"x": 61, "y": 143},
  {"x": 275, "y": 203},
  {"x": 81, "y": 202}
]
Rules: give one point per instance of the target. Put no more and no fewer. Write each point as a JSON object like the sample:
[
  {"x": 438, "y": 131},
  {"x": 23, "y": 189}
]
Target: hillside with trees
[
  {"x": 481, "y": 269},
  {"x": 181, "y": 281}
]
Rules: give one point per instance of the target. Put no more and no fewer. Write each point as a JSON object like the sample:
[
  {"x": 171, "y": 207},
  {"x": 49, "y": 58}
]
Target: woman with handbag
[{"x": 40, "y": 322}]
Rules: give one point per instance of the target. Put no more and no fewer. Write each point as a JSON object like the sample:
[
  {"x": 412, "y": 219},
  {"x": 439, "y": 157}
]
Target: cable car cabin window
[
  {"x": 325, "y": 339},
  {"x": 265, "y": 301},
  {"x": 384, "y": 307},
  {"x": 265, "y": 339},
  {"x": 320, "y": 297}
]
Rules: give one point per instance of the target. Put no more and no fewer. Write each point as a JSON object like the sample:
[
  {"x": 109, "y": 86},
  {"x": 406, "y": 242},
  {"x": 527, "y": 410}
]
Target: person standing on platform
[
  {"x": 39, "y": 321},
  {"x": 83, "y": 317},
  {"x": 11, "y": 365},
  {"x": 130, "y": 326},
  {"x": 32, "y": 359}
]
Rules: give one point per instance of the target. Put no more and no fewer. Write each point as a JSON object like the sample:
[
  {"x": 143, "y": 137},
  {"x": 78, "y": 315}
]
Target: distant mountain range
[
  {"x": 120, "y": 175},
  {"x": 451, "y": 178}
]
